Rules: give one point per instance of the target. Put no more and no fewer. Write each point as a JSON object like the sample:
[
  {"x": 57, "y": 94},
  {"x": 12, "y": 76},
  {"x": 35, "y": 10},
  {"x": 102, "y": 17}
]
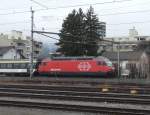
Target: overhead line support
[{"x": 31, "y": 43}]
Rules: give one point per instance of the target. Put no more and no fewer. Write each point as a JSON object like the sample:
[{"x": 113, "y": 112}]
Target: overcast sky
[{"x": 119, "y": 16}]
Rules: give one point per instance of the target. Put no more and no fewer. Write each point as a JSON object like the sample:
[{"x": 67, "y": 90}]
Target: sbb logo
[{"x": 84, "y": 66}]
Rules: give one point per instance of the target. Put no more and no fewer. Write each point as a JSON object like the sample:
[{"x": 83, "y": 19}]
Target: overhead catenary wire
[
  {"x": 123, "y": 23},
  {"x": 17, "y": 22},
  {"x": 79, "y": 42},
  {"x": 16, "y": 12},
  {"x": 28, "y": 11},
  {"x": 127, "y": 23},
  {"x": 48, "y": 8},
  {"x": 120, "y": 13},
  {"x": 109, "y": 14},
  {"x": 122, "y": 7},
  {"x": 40, "y": 4},
  {"x": 13, "y": 9},
  {"x": 68, "y": 41},
  {"x": 98, "y": 3},
  {"x": 111, "y": 24}
]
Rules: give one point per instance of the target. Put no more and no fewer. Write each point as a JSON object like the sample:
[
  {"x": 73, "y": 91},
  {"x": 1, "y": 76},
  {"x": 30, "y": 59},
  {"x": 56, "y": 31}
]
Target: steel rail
[
  {"x": 77, "y": 98},
  {"x": 68, "y": 94},
  {"x": 75, "y": 93},
  {"x": 81, "y": 80},
  {"x": 118, "y": 89},
  {"x": 74, "y": 107}
]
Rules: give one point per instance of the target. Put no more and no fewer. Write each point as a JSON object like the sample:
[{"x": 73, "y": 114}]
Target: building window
[
  {"x": 19, "y": 38},
  {"x": 120, "y": 47},
  {"x": 126, "y": 47},
  {"x": 134, "y": 46},
  {"x": 36, "y": 52},
  {"x": 142, "y": 38},
  {"x": 13, "y": 37}
]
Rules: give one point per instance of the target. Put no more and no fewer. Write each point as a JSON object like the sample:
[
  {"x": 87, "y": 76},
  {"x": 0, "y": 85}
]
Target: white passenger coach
[{"x": 15, "y": 67}]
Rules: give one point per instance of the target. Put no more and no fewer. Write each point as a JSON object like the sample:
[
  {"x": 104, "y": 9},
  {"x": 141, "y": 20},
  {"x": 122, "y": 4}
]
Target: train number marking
[
  {"x": 55, "y": 69},
  {"x": 84, "y": 66}
]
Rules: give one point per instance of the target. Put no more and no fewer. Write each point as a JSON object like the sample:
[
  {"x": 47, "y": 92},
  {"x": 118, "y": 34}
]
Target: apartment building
[
  {"x": 9, "y": 52},
  {"x": 126, "y": 43},
  {"x": 21, "y": 43}
]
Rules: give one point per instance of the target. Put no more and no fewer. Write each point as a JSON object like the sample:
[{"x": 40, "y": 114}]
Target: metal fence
[{"x": 134, "y": 70}]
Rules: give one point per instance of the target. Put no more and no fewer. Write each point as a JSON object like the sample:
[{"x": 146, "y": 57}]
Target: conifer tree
[
  {"x": 71, "y": 34},
  {"x": 92, "y": 36},
  {"x": 79, "y": 34}
]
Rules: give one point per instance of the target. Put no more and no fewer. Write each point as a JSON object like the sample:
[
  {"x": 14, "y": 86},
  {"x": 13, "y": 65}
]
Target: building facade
[
  {"x": 137, "y": 63},
  {"x": 124, "y": 43},
  {"x": 21, "y": 43}
]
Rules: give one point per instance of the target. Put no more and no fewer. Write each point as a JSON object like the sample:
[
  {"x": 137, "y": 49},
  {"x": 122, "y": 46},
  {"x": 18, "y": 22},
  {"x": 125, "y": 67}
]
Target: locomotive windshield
[
  {"x": 104, "y": 60},
  {"x": 109, "y": 63}
]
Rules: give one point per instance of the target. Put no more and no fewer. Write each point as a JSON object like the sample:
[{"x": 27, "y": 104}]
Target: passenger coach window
[
  {"x": 3, "y": 65},
  {"x": 9, "y": 65},
  {"x": 34, "y": 64},
  {"x": 16, "y": 66},
  {"x": 23, "y": 65}
]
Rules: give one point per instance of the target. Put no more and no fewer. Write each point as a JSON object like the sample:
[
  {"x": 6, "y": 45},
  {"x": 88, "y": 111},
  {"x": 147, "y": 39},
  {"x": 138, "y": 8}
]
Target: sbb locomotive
[{"x": 76, "y": 66}]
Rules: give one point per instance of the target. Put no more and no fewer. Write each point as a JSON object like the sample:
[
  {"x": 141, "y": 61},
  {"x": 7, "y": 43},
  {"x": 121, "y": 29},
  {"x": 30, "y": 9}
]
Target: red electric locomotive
[{"x": 76, "y": 66}]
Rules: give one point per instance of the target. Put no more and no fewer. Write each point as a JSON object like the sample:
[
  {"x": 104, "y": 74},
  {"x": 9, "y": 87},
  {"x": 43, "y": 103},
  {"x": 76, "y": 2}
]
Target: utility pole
[
  {"x": 31, "y": 43},
  {"x": 118, "y": 59}
]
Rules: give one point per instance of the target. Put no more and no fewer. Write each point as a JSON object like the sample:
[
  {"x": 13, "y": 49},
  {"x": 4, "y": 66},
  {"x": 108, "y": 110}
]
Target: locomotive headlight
[
  {"x": 113, "y": 68},
  {"x": 133, "y": 91},
  {"x": 105, "y": 89}
]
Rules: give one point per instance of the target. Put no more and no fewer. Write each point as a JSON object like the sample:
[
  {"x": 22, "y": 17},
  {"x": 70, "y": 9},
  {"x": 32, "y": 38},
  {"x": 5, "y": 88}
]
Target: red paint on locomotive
[{"x": 85, "y": 66}]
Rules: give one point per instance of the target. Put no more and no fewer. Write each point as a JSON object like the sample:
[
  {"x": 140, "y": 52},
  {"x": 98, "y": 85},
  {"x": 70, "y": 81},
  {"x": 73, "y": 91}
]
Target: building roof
[
  {"x": 130, "y": 55},
  {"x": 5, "y": 49}
]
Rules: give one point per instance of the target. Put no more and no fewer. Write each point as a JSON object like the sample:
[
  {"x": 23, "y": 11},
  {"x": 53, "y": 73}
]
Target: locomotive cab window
[
  {"x": 109, "y": 64},
  {"x": 44, "y": 63},
  {"x": 101, "y": 63},
  {"x": 104, "y": 63}
]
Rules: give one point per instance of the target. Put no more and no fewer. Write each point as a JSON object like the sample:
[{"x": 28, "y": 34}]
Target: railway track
[
  {"x": 72, "y": 99},
  {"x": 79, "y": 80},
  {"x": 75, "y": 107},
  {"x": 77, "y": 96},
  {"x": 99, "y": 88},
  {"x": 111, "y": 85}
]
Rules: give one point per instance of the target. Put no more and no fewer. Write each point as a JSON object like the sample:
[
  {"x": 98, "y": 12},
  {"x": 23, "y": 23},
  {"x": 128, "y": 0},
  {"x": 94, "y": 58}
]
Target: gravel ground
[
  {"x": 113, "y": 80},
  {"x": 99, "y": 104},
  {"x": 29, "y": 111}
]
